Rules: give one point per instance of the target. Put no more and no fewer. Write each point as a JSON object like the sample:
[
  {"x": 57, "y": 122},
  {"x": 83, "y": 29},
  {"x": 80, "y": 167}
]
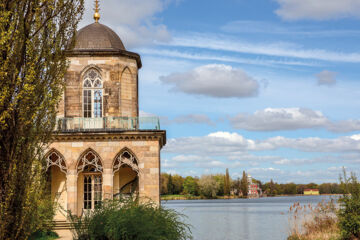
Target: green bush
[
  {"x": 41, "y": 235},
  {"x": 129, "y": 220},
  {"x": 349, "y": 212}
]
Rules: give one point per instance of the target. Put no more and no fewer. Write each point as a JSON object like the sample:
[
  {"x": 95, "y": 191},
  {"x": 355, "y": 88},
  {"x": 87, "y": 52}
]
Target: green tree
[
  {"x": 190, "y": 186},
  {"x": 349, "y": 212},
  {"x": 34, "y": 36},
  {"x": 220, "y": 179},
  {"x": 244, "y": 185},
  {"x": 227, "y": 183},
  {"x": 208, "y": 186},
  {"x": 177, "y": 181},
  {"x": 164, "y": 180},
  {"x": 170, "y": 185}
]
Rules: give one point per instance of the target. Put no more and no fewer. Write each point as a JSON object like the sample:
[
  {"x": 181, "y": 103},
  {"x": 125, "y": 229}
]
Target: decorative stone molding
[
  {"x": 156, "y": 135},
  {"x": 54, "y": 158},
  {"x": 90, "y": 158},
  {"x": 126, "y": 158}
]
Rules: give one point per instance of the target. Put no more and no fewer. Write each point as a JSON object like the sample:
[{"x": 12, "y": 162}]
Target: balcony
[{"x": 106, "y": 124}]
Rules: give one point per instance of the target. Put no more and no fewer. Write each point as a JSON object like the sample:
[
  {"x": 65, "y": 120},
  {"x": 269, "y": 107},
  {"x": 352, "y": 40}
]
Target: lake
[{"x": 245, "y": 219}]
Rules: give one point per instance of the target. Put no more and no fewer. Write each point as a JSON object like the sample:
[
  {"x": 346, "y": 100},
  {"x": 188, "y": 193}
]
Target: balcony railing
[{"x": 78, "y": 124}]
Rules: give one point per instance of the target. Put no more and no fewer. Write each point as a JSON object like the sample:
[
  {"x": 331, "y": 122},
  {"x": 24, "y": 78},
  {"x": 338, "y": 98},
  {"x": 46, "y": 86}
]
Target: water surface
[{"x": 245, "y": 219}]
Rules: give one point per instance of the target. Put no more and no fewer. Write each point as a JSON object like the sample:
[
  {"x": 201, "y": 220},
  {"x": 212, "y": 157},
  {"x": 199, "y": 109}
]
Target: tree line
[{"x": 215, "y": 185}]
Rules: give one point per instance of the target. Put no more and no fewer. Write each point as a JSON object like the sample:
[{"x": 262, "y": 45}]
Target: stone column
[
  {"x": 108, "y": 183},
  {"x": 71, "y": 187}
]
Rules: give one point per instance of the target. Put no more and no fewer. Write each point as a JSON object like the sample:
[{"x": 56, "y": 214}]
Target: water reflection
[{"x": 246, "y": 219}]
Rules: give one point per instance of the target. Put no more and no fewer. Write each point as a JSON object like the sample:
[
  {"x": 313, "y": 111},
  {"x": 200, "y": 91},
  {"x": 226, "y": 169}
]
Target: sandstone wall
[
  {"x": 119, "y": 75},
  {"x": 147, "y": 153}
]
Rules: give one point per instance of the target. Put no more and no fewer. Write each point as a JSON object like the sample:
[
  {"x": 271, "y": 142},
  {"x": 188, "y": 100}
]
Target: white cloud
[
  {"x": 280, "y": 119},
  {"x": 256, "y": 27},
  {"x": 230, "y": 144},
  {"x": 326, "y": 78},
  {"x": 189, "y": 119},
  {"x": 273, "y": 119},
  {"x": 134, "y": 20},
  {"x": 226, "y": 59},
  {"x": 318, "y": 9},
  {"x": 146, "y": 114},
  {"x": 214, "y": 80},
  {"x": 345, "y": 126},
  {"x": 278, "y": 49},
  {"x": 190, "y": 158}
]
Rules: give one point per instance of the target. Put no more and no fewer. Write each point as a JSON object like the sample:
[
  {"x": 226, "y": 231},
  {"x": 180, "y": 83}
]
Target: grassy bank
[{"x": 179, "y": 197}]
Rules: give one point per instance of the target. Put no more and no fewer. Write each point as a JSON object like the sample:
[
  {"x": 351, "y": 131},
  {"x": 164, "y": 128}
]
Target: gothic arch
[
  {"x": 126, "y": 69},
  {"x": 89, "y": 158},
  {"x": 126, "y": 158},
  {"x": 55, "y": 158},
  {"x": 89, "y": 67}
]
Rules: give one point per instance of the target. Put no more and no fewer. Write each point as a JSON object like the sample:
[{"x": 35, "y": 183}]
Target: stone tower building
[{"x": 102, "y": 148}]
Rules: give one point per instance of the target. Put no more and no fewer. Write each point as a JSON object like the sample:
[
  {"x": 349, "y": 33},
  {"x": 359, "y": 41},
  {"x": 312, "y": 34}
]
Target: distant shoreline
[{"x": 184, "y": 197}]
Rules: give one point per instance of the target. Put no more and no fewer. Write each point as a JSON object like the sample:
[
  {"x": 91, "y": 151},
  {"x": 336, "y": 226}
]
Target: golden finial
[{"x": 97, "y": 14}]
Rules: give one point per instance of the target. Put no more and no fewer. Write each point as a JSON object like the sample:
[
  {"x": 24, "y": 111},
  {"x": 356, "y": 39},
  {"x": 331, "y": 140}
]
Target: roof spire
[{"x": 97, "y": 14}]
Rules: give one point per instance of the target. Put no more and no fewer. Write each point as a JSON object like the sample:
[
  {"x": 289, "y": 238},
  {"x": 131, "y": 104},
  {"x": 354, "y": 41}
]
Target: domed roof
[{"x": 97, "y": 37}]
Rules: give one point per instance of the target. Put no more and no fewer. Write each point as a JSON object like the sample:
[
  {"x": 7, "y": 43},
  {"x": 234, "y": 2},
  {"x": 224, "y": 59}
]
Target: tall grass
[{"x": 319, "y": 222}]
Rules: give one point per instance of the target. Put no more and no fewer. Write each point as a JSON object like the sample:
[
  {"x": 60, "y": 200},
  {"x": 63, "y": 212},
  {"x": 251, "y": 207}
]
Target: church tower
[{"x": 102, "y": 148}]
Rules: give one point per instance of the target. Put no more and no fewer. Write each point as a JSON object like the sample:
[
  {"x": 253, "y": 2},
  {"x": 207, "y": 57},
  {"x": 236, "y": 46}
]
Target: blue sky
[{"x": 266, "y": 86}]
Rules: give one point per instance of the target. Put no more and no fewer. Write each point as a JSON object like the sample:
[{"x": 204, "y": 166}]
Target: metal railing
[{"x": 79, "y": 124}]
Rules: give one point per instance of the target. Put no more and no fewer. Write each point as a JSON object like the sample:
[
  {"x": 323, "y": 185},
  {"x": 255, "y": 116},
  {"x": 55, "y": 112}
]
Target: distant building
[
  {"x": 311, "y": 192},
  {"x": 254, "y": 190}
]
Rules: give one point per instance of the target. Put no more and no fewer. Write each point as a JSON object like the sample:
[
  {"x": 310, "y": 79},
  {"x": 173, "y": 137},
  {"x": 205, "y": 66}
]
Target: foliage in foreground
[
  {"x": 33, "y": 38},
  {"x": 43, "y": 235},
  {"x": 309, "y": 222},
  {"x": 327, "y": 222},
  {"x": 349, "y": 212},
  {"x": 126, "y": 219}
]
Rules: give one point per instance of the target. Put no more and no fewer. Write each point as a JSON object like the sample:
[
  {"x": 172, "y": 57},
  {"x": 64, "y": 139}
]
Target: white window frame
[
  {"x": 92, "y": 89},
  {"x": 92, "y": 201}
]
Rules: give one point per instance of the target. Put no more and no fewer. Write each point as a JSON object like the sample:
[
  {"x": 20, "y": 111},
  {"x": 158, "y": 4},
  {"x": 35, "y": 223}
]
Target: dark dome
[{"x": 97, "y": 37}]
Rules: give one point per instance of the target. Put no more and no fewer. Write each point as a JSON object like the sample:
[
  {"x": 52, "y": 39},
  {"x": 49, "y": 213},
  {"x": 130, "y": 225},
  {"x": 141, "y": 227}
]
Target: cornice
[
  {"x": 105, "y": 52},
  {"x": 156, "y": 135}
]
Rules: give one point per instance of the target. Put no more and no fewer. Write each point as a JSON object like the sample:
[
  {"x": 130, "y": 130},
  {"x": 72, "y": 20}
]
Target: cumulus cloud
[
  {"x": 318, "y": 9},
  {"x": 280, "y": 119},
  {"x": 228, "y": 144},
  {"x": 215, "y": 80},
  {"x": 326, "y": 78},
  {"x": 134, "y": 20},
  {"x": 273, "y": 119},
  {"x": 345, "y": 126}
]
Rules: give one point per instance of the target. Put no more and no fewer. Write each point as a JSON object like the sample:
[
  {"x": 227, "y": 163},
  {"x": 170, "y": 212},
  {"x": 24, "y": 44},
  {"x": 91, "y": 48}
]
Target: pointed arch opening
[
  {"x": 90, "y": 180},
  {"x": 126, "y": 174},
  {"x": 56, "y": 170}
]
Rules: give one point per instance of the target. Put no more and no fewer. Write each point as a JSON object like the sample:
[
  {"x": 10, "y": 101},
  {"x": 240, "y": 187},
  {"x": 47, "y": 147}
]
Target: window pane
[
  {"x": 98, "y": 103},
  {"x": 87, "y": 103}
]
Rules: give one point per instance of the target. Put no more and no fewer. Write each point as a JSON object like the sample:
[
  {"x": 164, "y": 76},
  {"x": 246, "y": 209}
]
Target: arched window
[
  {"x": 92, "y": 94},
  {"x": 91, "y": 167}
]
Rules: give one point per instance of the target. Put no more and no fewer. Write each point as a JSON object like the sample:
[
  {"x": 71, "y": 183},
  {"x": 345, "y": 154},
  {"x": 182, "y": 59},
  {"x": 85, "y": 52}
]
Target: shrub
[
  {"x": 349, "y": 212},
  {"x": 127, "y": 219},
  {"x": 41, "y": 235}
]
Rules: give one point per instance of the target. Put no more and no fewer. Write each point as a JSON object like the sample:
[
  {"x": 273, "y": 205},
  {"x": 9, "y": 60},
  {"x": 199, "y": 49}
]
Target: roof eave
[{"x": 104, "y": 52}]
